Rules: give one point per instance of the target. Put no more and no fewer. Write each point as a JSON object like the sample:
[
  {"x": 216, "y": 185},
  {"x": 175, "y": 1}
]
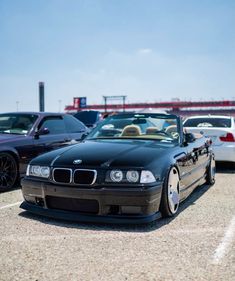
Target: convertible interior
[{"x": 134, "y": 131}]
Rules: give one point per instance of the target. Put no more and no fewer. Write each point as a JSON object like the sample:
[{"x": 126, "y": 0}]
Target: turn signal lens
[
  {"x": 147, "y": 177},
  {"x": 229, "y": 137}
]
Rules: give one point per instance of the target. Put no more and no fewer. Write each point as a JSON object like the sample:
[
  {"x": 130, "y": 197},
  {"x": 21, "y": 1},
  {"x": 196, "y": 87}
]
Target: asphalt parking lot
[{"x": 198, "y": 244}]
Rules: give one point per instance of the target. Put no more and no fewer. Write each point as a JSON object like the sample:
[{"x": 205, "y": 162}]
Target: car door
[
  {"x": 55, "y": 136},
  {"x": 197, "y": 159}
]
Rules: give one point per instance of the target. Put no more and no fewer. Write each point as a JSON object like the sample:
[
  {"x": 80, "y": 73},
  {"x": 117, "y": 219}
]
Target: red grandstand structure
[{"x": 180, "y": 107}]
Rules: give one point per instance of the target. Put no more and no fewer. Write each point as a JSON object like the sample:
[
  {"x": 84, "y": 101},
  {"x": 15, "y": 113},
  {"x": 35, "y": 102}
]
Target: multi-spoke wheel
[
  {"x": 8, "y": 171},
  {"x": 170, "y": 194},
  {"x": 210, "y": 175}
]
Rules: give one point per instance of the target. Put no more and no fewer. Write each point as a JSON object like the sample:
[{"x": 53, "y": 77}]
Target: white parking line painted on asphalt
[
  {"x": 10, "y": 205},
  {"x": 225, "y": 243}
]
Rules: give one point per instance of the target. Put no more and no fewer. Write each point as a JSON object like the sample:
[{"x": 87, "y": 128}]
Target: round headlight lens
[
  {"x": 45, "y": 172},
  {"x": 36, "y": 171},
  {"x": 132, "y": 176},
  {"x": 116, "y": 175}
]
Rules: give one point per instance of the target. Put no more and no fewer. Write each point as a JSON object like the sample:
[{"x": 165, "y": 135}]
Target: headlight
[
  {"x": 147, "y": 177},
  {"x": 45, "y": 172},
  {"x": 132, "y": 176},
  {"x": 38, "y": 171},
  {"x": 116, "y": 175}
]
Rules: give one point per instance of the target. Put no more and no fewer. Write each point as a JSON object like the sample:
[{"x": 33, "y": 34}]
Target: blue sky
[{"x": 152, "y": 50}]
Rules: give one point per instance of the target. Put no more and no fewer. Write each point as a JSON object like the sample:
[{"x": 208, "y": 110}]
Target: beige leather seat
[
  {"x": 131, "y": 131},
  {"x": 171, "y": 129},
  {"x": 152, "y": 130}
]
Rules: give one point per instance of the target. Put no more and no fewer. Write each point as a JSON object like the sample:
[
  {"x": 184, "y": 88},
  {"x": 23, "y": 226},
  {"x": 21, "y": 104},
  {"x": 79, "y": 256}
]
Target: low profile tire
[
  {"x": 210, "y": 174},
  {"x": 8, "y": 171},
  {"x": 170, "y": 194}
]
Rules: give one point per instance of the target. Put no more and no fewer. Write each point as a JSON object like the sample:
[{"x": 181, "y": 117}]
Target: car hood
[
  {"x": 4, "y": 138},
  {"x": 107, "y": 153}
]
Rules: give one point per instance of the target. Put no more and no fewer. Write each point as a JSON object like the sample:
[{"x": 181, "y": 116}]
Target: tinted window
[
  {"x": 55, "y": 125},
  {"x": 73, "y": 125},
  {"x": 88, "y": 117},
  {"x": 208, "y": 122}
]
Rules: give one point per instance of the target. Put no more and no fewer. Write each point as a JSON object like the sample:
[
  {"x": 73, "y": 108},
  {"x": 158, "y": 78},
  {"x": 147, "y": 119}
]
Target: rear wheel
[
  {"x": 8, "y": 171},
  {"x": 210, "y": 176},
  {"x": 170, "y": 194}
]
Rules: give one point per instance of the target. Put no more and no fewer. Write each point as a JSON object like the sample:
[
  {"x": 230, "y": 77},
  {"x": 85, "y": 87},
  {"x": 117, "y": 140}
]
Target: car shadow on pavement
[
  {"x": 120, "y": 227},
  {"x": 11, "y": 189}
]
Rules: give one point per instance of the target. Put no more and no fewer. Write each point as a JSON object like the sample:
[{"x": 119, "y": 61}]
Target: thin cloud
[{"x": 145, "y": 51}]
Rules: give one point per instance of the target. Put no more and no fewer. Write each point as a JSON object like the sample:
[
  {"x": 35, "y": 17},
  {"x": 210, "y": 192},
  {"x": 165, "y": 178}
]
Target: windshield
[
  {"x": 159, "y": 127},
  {"x": 19, "y": 124},
  {"x": 208, "y": 122}
]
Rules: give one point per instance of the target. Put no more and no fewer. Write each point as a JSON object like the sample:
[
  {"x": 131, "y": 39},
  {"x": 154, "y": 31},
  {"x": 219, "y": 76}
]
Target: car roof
[
  {"x": 209, "y": 116},
  {"x": 35, "y": 112}
]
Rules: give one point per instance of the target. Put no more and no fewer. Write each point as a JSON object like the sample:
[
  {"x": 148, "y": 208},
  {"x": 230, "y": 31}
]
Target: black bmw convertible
[{"x": 132, "y": 168}]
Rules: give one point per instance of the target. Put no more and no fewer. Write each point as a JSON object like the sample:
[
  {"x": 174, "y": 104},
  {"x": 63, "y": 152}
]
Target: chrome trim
[
  {"x": 71, "y": 175},
  {"x": 94, "y": 179}
]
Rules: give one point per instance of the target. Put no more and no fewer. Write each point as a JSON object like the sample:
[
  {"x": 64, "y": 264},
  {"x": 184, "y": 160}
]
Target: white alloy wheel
[{"x": 173, "y": 197}]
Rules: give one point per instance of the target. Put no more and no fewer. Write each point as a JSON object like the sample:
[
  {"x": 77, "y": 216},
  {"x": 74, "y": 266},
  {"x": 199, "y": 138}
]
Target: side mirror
[
  {"x": 188, "y": 138},
  {"x": 84, "y": 136},
  {"x": 41, "y": 131}
]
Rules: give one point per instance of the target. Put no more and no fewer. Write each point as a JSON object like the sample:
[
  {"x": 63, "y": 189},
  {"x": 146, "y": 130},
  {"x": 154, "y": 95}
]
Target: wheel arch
[
  {"x": 167, "y": 167},
  {"x": 164, "y": 203},
  {"x": 13, "y": 152}
]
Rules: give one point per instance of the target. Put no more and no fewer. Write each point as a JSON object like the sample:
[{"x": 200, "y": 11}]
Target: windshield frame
[{"x": 125, "y": 116}]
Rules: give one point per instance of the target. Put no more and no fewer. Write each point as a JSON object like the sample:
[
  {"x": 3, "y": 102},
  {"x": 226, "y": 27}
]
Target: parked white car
[{"x": 221, "y": 130}]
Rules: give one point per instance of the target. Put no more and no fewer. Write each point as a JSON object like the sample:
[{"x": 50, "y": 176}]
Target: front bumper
[{"x": 103, "y": 204}]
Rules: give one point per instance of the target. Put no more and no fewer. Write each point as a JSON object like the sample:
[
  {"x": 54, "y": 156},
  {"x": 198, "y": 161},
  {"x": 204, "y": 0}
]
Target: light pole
[{"x": 17, "y": 105}]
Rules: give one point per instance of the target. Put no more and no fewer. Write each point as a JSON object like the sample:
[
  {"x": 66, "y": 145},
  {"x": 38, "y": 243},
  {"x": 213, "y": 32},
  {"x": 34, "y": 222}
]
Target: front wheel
[
  {"x": 8, "y": 171},
  {"x": 170, "y": 194}
]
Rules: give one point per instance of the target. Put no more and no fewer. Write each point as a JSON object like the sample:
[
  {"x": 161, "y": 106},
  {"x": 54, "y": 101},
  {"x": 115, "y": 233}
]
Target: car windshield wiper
[{"x": 105, "y": 138}]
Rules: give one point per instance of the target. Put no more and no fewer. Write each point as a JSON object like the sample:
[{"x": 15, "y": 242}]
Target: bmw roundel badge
[{"x": 77, "y": 161}]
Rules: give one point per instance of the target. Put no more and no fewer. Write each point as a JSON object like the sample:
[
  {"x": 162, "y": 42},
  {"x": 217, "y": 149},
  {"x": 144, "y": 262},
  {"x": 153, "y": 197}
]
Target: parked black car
[
  {"x": 24, "y": 135},
  {"x": 124, "y": 172}
]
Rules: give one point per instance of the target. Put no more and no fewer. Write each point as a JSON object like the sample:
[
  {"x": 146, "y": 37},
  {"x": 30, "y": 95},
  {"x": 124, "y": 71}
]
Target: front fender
[{"x": 9, "y": 149}]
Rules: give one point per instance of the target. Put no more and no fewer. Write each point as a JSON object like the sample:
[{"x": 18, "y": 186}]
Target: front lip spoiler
[{"x": 72, "y": 216}]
